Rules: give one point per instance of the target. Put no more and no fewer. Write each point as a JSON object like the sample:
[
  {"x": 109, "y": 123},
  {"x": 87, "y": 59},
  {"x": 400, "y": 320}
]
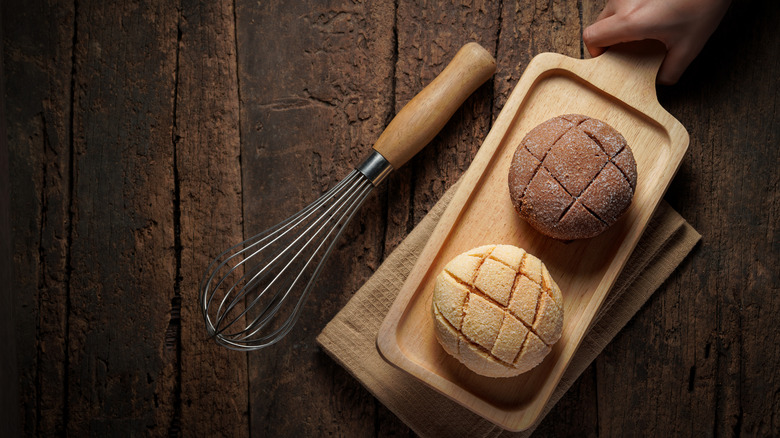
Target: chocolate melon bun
[
  {"x": 497, "y": 310},
  {"x": 572, "y": 177}
]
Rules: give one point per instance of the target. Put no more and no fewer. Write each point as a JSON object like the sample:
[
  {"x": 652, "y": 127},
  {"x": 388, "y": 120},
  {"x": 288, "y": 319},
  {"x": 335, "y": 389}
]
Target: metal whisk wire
[{"x": 274, "y": 264}]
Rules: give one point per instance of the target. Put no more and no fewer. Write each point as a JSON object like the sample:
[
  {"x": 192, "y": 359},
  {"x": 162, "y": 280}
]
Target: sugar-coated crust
[
  {"x": 572, "y": 177},
  {"x": 497, "y": 310}
]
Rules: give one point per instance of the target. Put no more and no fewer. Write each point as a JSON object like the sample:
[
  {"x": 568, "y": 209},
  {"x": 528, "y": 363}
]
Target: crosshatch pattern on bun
[
  {"x": 572, "y": 177},
  {"x": 497, "y": 310}
]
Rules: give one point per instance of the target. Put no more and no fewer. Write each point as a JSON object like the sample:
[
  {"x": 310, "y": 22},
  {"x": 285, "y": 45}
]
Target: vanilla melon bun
[{"x": 497, "y": 310}]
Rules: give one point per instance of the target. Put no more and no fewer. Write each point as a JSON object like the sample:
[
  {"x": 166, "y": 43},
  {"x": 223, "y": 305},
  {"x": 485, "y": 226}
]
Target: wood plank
[
  {"x": 530, "y": 29},
  {"x": 120, "y": 373},
  {"x": 39, "y": 39},
  {"x": 9, "y": 382},
  {"x": 576, "y": 413},
  {"x": 732, "y": 102},
  {"x": 208, "y": 166},
  {"x": 315, "y": 87},
  {"x": 708, "y": 340},
  {"x": 429, "y": 35}
]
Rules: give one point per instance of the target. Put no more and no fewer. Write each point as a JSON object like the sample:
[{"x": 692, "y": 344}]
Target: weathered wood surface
[
  {"x": 207, "y": 212},
  {"x": 38, "y": 48},
  {"x": 122, "y": 250},
  {"x": 702, "y": 357},
  {"x": 9, "y": 382},
  {"x": 145, "y": 137},
  {"x": 315, "y": 92}
]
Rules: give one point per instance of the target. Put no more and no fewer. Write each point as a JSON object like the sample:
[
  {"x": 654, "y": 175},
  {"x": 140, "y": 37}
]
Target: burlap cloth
[{"x": 350, "y": 338}]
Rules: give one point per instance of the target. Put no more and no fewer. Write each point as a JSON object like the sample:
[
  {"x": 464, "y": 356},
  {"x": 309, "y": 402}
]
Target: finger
[
  {"x": 593, "y": 50},
  {"x": 607, "y": 32},
  {"x": 608, "y": 11},
  {"x": 676, "y": 61},
  {"x": 587, "y": 38}
]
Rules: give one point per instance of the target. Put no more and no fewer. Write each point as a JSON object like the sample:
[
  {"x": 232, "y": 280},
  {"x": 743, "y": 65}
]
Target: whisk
[{"x": 252, "y": 293}]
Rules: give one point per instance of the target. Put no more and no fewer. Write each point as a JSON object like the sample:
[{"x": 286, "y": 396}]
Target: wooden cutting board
[{"x": 617, "y": 87}]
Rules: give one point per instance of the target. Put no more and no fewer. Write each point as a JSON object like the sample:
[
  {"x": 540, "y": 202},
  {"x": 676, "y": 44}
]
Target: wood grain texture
[
  {"x": 527, "y": 30},
  {"x": 428, "y": 37},
  {"x": 708, "y": 336},
  {"x": 9, "y": 371},
  {"x": 207, "y": 168},
  {"x": 38, "y": 48},
  {"x": 314, "y": 84},
  {"x": 120, "y": 373}
]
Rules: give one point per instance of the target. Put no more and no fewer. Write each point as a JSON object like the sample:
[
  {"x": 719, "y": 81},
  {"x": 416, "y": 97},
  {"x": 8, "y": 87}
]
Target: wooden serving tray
[{"x": 617, "y": 87}]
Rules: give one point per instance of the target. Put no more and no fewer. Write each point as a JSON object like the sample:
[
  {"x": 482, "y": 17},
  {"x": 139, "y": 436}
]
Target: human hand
[{"x": 682, "y": 25}]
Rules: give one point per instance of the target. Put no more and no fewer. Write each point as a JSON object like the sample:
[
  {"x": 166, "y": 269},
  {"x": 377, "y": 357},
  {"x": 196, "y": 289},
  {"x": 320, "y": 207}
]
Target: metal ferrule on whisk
[{"x": 375, "y": 168}]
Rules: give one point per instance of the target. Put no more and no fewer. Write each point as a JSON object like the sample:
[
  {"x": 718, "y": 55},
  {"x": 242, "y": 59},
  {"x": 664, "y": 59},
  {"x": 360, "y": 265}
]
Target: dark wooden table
[{"x": 144, "y": 137}]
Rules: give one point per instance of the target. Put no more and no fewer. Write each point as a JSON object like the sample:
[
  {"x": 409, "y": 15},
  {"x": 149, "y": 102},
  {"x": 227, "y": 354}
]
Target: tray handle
[{"x": 635, "y": 63}]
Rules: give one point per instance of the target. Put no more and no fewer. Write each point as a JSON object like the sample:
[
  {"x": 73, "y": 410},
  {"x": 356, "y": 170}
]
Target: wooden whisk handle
[{"x": 422, "y": 118}]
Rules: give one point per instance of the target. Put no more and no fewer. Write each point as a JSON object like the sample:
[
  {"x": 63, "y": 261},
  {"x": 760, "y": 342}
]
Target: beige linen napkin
[{"x": 350, "y": 338}]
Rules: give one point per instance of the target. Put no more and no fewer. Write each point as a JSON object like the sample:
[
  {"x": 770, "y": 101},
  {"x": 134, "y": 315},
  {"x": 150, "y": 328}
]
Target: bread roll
[
  {"x": 572, "y": 177},
  {"x": 497, "y": 310}
]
